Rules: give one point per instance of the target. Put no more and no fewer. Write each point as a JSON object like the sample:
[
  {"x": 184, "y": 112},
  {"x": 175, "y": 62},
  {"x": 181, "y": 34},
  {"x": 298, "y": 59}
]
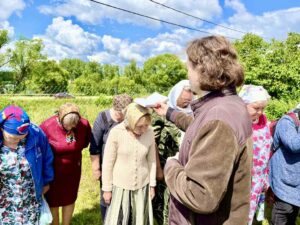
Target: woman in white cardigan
[{"x": 129, "y": 169}]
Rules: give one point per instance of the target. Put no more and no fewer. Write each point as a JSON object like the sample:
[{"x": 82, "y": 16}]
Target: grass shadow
[{"x": 89, "y": 216}]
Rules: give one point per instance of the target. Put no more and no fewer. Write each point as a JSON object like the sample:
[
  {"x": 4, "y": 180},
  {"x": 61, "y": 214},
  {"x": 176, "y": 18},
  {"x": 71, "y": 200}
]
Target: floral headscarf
[
  {"x": 252, "y": 93},
  {"x": 14, "y": 120}
]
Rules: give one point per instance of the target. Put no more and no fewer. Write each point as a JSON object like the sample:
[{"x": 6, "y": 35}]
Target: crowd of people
[{"x": 208, "y": 156}]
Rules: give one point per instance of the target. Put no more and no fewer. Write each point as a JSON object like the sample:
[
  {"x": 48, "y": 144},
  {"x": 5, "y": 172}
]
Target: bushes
[
  {"x": 104, "y": 101},
  {"x": 276, "y": 108}
]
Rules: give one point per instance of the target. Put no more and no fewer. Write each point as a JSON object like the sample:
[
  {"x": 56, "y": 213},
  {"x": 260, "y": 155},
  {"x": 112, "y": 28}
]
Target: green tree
[
  {"x": 23, "y": 58},
  {"x": 3, "y": 41},
  {"x": 93, "y": 68},
  {"x": 133, "y": 72},
  {"x": 3, "y": 38},
  {"x": 274, "y": 65},
  {"x": 163, "y": 71},
  {"x": 88, "y": 84},
  {"x": 74, "y": 67},
  {"x": 110, "y": 71},
  {"x": 47, "y": 77}
]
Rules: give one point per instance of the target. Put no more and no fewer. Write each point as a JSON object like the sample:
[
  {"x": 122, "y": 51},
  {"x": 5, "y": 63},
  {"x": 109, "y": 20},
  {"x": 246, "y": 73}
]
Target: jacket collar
[{"x": 197, "y": 104}]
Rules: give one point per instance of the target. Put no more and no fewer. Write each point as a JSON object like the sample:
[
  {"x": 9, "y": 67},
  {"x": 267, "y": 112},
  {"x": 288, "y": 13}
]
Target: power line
[
  {"x": 195, "y": 17},
  {"x": 163, "y": 21}
]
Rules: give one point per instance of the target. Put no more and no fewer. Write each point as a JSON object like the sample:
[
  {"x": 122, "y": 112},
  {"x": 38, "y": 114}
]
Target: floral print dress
[
  {"x": 262, "y": 141},
  {"x": 18, "y": 204}
]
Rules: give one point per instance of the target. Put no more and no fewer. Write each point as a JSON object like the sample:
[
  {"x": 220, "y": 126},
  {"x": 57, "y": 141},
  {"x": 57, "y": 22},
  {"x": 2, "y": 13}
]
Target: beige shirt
[{"x": 128, "y": 162}]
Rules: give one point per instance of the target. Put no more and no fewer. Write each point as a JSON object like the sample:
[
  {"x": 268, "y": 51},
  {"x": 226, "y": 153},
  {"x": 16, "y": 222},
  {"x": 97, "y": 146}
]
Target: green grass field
[{"x": 87, "y": 209}]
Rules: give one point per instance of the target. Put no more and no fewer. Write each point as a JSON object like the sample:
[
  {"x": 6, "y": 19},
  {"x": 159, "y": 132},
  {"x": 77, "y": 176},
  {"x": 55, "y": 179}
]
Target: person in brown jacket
[{"x": 209, "y": 180}]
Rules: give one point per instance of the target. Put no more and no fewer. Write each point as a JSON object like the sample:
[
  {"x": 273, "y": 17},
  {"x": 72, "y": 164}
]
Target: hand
[
  {"x": 152, "y": 192},
  {"x": 161, "y": 109},
  {"x": 174, "y": 157},
  {"x": 97, "y": 174},
  {"x": 46, "y": 188},
  {"x": 270, "y": 197},
  {"x": 107, "y": 196}
]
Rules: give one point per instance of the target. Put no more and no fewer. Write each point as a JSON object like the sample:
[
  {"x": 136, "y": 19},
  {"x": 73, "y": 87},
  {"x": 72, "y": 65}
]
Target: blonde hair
[
  {"x": 71, "y": 119},
  {"x": 215, "y": 60}
]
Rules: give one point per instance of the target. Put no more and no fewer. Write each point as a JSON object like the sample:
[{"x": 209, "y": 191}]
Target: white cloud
[
  {"x": 7, "y": 8},
  {"x": 236, "y": 5},
  {"x": 93, "y": 13},
  {"x": 104, "y": 57},
  {"x": 121, "y": 51},
  {"x": 65, "y": 39},
  {"x": 275, "y": 24}
]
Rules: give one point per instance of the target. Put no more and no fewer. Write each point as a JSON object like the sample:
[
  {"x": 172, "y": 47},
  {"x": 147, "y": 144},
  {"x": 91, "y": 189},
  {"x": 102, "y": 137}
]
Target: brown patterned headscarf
[
  {"x": 66, "y": 109},
  {"x": 120, "y": 102}
]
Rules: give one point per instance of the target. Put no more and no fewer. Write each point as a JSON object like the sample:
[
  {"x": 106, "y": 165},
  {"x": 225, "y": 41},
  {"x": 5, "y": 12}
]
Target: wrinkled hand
[
  {"x": 161, "y": 108},
  {"x": 97, "y": 174},
  {"x": 152, "y": 192},
  {"x": 46, "y": 188},
  {"x": 174, "y": 157},
  {"x": 107, "y": 196}
]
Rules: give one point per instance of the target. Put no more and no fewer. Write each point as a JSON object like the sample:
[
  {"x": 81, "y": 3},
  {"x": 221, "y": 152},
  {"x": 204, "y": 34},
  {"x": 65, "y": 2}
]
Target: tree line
[{"x": 26, "y": 69}]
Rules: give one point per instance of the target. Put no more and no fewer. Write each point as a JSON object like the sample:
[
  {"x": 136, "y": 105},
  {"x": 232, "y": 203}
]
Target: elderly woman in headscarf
[
  {"x": 168, "y": 140},
  {"x": 68, "y": 134},
  {"x": 256, "y": 99},
  {"x": 129, "y": 169},
  {"x": 25, "y": 167},
  {"x": 180, "y": 97}
]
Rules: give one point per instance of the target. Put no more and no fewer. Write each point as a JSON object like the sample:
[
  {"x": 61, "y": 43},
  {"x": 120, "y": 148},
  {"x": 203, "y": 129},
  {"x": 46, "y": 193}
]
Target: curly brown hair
[{"x": 215, "y": 60}]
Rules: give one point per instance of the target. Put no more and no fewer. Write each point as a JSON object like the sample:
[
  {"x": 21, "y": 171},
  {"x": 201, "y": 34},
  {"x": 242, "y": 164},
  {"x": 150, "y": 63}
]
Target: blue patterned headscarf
[{"x": 14, "y": 120}]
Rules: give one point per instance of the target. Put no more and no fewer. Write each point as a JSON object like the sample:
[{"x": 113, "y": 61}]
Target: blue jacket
[
  {"x": 40, "y": 158},
  {"x": 285, "y": 163}
]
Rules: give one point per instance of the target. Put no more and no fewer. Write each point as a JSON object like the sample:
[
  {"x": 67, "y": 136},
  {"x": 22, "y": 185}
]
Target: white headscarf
[
  {"x": 252, "y": 93},
  {"x": 175, "y": 93}
]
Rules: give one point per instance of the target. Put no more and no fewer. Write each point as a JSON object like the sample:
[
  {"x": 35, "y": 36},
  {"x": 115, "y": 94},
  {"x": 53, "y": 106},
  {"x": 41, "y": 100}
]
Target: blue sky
[{"x": 92, "y": 32}]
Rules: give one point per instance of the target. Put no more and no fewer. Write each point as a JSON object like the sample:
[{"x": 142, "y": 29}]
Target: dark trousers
[
  {"x": 103, "y": 205},
  {"x": 103, "y": 209},
  {"x": 283, "y": 213}
]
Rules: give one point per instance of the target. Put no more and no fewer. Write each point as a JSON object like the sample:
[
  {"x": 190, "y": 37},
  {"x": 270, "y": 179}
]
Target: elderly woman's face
[
  {"x": 256, "y": 109},
  {"x": 184, "y": 99},
  {"x": 11, "y": 138},
  {"x": 141, "y": 126}
]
